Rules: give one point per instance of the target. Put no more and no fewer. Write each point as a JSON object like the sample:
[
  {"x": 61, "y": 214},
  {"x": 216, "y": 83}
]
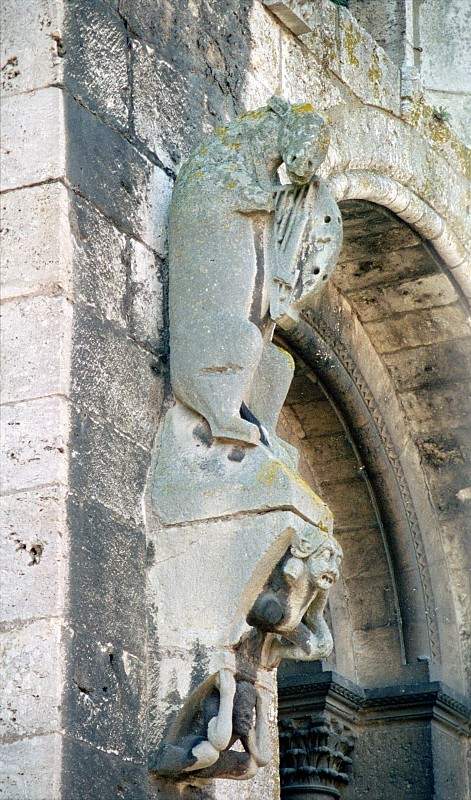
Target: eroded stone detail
[{"x": 315, "y": 756}]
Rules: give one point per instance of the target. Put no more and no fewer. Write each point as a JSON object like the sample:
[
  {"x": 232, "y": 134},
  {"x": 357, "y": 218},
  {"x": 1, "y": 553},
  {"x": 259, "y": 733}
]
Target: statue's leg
[
  {"x": 270, "y": 385},
  {"x": 219, "y": 732},
  {"x": 220, "y": 388}
]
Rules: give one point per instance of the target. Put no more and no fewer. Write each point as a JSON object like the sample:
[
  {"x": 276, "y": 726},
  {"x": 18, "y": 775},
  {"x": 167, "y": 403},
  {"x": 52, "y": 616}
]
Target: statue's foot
[{"x": 237, "y": 429}]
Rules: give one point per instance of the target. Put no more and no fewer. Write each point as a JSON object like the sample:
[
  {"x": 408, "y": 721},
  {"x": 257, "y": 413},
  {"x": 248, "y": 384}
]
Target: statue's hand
[
  {"x": 253, "y": 198},
  {"x": 219, "y": 733}
]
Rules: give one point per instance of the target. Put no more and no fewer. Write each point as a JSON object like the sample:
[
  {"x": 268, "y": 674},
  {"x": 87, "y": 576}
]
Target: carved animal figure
[{"x": 219, "y": 298}]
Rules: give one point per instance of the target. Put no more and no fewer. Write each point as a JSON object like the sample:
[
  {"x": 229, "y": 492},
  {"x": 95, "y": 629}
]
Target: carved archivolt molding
[
  {"x": 369, "y": 186},
  {"x": 346, "y": 359}
]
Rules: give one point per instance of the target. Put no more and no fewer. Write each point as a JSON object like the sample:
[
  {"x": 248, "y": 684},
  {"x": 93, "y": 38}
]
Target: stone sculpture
[
  {"x": 246, "y": 253},
  {"x": 239, "y": 244},
  {"x": 286, "y": 622}
]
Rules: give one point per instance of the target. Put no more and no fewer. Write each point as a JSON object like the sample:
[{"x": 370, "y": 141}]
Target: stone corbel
[{"x": 245, "y": 554}]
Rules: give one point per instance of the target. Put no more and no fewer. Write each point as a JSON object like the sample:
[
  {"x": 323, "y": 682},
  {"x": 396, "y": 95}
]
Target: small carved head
[
  {"x": 322, "y": 554},
  {"x": 304, "y": 139}
]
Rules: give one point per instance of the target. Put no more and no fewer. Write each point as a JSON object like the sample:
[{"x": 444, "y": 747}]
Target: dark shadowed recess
[
  {"x": 397, "y": 616},
  {"x": 145, "y": 80}
]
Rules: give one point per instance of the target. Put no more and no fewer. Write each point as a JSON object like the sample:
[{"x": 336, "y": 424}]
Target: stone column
[
  {"x": 35, "y": 416},
  {"x": 83, "y": 235},
  {"x": 404, "y": 739}
]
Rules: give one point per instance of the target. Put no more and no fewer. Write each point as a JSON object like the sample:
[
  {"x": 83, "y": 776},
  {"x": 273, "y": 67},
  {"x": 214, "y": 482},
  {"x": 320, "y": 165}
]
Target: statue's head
[
  {"x": 322, "y": 555},
  {"x": 303, "y": 139}
]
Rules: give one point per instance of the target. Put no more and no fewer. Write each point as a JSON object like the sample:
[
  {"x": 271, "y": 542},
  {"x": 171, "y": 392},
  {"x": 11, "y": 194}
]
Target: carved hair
[{"x": 310, "y": 541}]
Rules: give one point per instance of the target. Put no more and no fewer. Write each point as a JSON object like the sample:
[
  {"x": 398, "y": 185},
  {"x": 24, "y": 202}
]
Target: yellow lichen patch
[
  {"x": 203, "y": 150},
  {"x": 221, "y": 132},
  {"x": 375, "y": 73},
  {"x": 235, "y": 145},
  {"x": 262, "y": 112},
  {"x": 287, "y": 355},
  {"x": 303, "y": 108},
  {"x": 352, "y": 39},
  {"x": 421, "y": 117},
  {"x": 231, "y": 185},
  {"x": 270, "y": 472}
]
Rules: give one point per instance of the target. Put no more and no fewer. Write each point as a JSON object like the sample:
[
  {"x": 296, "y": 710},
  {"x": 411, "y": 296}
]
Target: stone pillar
[
  {"x": 83, "y": 213},
  {"x": 403, "y": 740},
  {"x": 35, "y": 416}
]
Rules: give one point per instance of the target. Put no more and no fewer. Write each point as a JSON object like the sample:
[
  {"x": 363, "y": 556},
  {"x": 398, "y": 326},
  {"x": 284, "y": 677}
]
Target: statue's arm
[
  {"x": 253, "y": 197},
  {"x": 258, "y": 739},
  {"x": 319, "y": 642}
]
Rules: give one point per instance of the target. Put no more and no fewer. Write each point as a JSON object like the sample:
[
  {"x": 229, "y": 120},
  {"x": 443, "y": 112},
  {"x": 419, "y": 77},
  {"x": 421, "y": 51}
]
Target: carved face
[
  {"x": 324, "y": 564},
  {"x": 304, "y": 143}
]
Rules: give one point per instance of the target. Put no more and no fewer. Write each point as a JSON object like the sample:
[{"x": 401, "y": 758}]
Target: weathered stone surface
[
  {"x": 315, "y": 418},
  {"x": 35, "y": 241},
  {"x": 303, "y": 71},
  {"x": 100, "y": 773},
  {"x": 386, "y": 22},
  {"x": 445, "y": 61},
  {"x": 261, "y": 539},
  {"x": 106, "y": 584},
  {"x": 34, "y": 455},
  {"x": 97, "y": 241},
  {"x": 432, "y": 364},
  {"x": 96, "y": 60},
  {"x": 127, "y": 289},
  {"x": 30, "y": 659},
  {"x": 145, "y": 297},
  {"x": 193, "y": 58},
  {"x": 30, "y": 768},
  {"x": 226, "y": 479},
  {"x": 373, "y": 269},
  {"x": 351, "y": 500},
  {"x": 33, "y": 138},
  {"x": 115, "y": 177},
  {"x": 419, "y": 328},
  {"x": 107, "y": 467},
  {"x": 264, "y": 61},
  {"x": 40, "y": 329},
  {"x": 428, "y": 292},
  {"x": 31, "y": 52},
  {"x": 364, "y": 554},
  {"x": 33, "y": 554},
  {"x": 438, "y": 408},
  {"x": 104, "y": 358},
  {"x": 371, "y": 647}
]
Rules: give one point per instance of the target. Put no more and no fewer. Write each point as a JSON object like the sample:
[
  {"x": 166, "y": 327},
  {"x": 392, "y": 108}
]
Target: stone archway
[{"x": 391, "y": 331}]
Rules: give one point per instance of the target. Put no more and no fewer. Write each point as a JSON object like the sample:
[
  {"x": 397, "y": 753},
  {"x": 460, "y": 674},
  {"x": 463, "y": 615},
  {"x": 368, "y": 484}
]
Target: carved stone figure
[
  {"x": 246, "y": 254},
  {"x": 286, "y": 622},
  {"x": 238, "y": 244}
]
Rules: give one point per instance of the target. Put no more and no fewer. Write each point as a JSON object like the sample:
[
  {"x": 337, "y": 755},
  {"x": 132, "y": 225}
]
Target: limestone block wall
[
  {"x": 434, "y": 37},
  {"x": 102, "y": 99}
]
